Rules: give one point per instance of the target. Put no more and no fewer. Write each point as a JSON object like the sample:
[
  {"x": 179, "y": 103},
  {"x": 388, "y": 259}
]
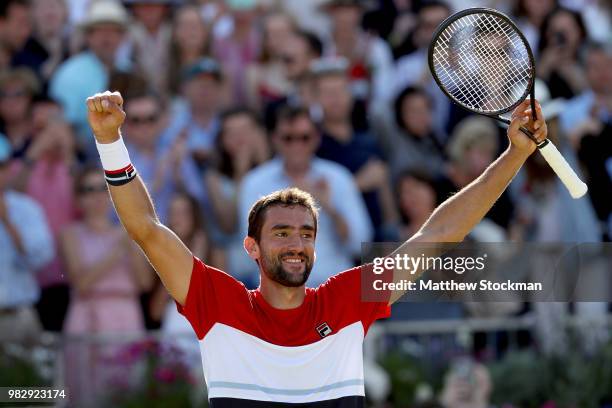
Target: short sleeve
[
  {"x": 348, "y": 286},
  {"x": 208, "y": 289}
]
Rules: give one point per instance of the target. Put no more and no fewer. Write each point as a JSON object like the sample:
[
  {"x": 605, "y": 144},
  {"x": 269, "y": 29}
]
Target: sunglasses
[
  {"x": 144, "y": 119},
  {"x": 287, "y": 59},
  {"x": 86, "y": 189},
  {"x": 304, "y": 138},
  {"x": 13, "y": 94}
]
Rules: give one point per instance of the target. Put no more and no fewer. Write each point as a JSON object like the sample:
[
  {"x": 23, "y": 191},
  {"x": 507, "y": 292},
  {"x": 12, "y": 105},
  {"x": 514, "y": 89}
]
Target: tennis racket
[{"x": 483, "y": 63}]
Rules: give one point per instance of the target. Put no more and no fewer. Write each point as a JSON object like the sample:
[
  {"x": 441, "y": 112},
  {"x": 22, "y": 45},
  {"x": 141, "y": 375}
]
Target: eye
[
  {"x": 307, "y": 235},
  {"x": 280, "y": 234}
]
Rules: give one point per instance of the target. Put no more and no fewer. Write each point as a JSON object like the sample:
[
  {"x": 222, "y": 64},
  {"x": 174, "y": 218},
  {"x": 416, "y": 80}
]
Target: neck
[
  {"x": 296, "y": 170},
  {"x": 282, "y": 297},
  {"x": 203, "y": 116},
  {"x": 339, "y": 129},
  {"x": 97, "y": 223},
  {"x": 189, "y": 56},
  {"x": 17, "y": 130}
]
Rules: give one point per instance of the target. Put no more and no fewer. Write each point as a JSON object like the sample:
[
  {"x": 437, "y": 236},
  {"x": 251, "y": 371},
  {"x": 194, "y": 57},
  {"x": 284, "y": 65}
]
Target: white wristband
[{"x": 114, "y": 156}]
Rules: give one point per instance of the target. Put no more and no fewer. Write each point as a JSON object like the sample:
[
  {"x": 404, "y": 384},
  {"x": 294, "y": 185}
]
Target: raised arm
[
  {"x": 170, "y": 258},
  {"x": 456, "y": 217}
]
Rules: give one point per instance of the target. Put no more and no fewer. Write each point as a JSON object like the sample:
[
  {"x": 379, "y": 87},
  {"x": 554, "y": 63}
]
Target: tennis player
[{"x": 283, "y": 343}]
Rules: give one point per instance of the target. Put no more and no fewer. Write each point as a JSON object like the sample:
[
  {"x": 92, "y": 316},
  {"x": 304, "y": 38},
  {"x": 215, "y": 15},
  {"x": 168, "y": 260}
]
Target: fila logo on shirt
[{"x": 324, "y": 330}]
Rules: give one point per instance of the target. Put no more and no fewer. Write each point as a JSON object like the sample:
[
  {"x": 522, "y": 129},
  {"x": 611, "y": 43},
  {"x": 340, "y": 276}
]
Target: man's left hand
[{"x": 522, "y": 117}]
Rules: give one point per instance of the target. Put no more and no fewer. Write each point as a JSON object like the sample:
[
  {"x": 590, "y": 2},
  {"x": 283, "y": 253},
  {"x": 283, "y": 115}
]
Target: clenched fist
[{"x": 105, "y": 115}]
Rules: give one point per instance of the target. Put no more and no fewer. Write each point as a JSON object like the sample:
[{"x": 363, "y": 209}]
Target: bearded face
[
  {"x": 287, "y": 245},
  {"x": 290, "y": 268}
]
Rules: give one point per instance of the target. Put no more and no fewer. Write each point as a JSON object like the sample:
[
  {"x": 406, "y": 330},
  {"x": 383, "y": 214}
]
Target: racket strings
[{"x": 482, "y": 62}]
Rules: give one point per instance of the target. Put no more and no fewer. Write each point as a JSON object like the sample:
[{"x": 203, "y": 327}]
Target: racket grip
[{"x": 577, "y": 188}]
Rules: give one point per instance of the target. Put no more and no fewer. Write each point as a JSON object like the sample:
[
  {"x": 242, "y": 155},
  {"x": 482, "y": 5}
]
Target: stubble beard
[{"x": 274, "y": 270}]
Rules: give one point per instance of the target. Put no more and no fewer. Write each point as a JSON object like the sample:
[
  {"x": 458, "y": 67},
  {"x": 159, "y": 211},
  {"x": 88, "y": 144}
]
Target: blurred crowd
[{"x": 229, "y": 100}]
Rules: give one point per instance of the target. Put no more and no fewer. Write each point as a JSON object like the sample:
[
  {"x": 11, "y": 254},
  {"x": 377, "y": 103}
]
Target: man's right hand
[{"x": 105, "y": 115}]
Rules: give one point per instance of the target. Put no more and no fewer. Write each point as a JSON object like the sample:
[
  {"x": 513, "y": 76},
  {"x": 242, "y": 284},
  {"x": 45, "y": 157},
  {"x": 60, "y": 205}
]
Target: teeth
[{"x": 293, "y": 260}]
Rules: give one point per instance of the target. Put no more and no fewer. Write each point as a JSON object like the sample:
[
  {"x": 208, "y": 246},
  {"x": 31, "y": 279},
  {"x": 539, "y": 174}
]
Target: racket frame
[{"x": 530, "y": 91}]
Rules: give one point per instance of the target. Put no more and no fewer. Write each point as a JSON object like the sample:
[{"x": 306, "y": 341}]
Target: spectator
[
  {"x": 186, "y": 221},
  {"x": 531, "y": 15},
  {"x": 216, "y": 14},
  {"x": 411, "y": 68},
  {"x": 15, "y": 26},
  {"x": 237, "y": 51},
  {"x": 150, "y": 36},
  {"x": 191, "y": 41},
  {"x": 545, "y": 210},
  {"x": 46, "y": 174},
  {"x": 48, "y": 46},
  {"x": 472, "y": 147},
  {"x": 416, "y": 198},
  {"x": 18, "y": 86},
  {"x": 241, "y": 146},
  {"x": 370, "y": 59},
  {"x": 197, "y": 115},
  {"x": 266, "y": 80},
  {"x": 561, "y": 36},
  {"x": 404, "y": 22},
  {"x": 599, "y": 15},
  {"x": 88, "y": 72},
  {"x": 164, "y": 168},
  {"x": 467, "y": 385},
  {"x": 107, "y": 273},
  {"x": 587, "y": 120},
  {"x": 546, "y": 213},
  {"x": 26, "y": 244},
  {"x": 301, "y": 49},
  {"x": 409, "y": 138},
  {"x": 412, "y": 53},
  {"x": 595, "y": 103},
  {"x": 356, "y": 150},
  {"x": 344, "y": 221}
]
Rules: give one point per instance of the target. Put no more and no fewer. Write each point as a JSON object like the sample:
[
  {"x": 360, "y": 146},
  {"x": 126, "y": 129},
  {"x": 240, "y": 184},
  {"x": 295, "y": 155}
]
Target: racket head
[{"x": 482, "y": 61}]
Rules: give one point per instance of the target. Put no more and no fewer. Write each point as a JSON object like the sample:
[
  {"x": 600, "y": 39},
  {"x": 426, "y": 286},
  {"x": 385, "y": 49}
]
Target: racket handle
[{"x": 576, "y": 187}]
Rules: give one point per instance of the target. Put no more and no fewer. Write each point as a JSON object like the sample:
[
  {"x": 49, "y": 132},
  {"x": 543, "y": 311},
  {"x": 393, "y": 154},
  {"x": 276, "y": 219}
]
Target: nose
[{"x": 295, "y": 243}]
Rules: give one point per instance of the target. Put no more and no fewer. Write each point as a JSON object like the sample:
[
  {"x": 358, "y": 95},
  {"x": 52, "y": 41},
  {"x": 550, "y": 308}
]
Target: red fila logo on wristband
[{"x": 121, "y": 176}]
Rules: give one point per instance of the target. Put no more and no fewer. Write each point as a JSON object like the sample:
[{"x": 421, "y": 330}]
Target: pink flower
[{"x": 165, "y": 375}]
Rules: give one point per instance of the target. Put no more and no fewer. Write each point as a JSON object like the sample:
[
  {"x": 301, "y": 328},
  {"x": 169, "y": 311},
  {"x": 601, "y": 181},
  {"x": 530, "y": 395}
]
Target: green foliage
[
  {"x": 17, "y": 369},
  {"x": 162, "y": 378},
  {"x": 520, "y": 378},
  {"x": 571, "y": 379},
  {"x": 407, "y": 373}
]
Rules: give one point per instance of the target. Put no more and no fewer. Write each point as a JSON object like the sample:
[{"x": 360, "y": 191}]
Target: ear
[{"x": 252, "y": 248}]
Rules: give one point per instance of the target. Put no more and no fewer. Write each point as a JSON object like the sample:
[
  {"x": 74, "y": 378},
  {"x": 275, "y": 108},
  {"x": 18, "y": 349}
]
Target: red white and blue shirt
[{"x": 257, "y": 356}]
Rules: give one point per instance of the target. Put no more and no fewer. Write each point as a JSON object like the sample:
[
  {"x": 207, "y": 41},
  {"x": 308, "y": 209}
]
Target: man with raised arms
[{"x": 282, "y": 343}]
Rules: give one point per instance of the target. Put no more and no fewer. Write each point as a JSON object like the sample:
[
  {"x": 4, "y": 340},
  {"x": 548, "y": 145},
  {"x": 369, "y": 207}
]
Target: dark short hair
[
  {"x": 289, "y": 113},
  {"x": 5, "y": 5},
  {"x": 576, "y": 16},
  {"x": 433, "y": 4},
  {"x": 137, "y": 94},
  {"x": 288, "y": 197},
  {"x": 314, "y": 43},
  {"x": 225, "y": 162},
  {"x": 237, "y": 111}
]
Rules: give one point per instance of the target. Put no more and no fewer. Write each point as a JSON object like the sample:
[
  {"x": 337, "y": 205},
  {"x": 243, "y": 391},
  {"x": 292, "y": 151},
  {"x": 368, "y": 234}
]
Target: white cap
[{"x": 106, "y": 11}]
